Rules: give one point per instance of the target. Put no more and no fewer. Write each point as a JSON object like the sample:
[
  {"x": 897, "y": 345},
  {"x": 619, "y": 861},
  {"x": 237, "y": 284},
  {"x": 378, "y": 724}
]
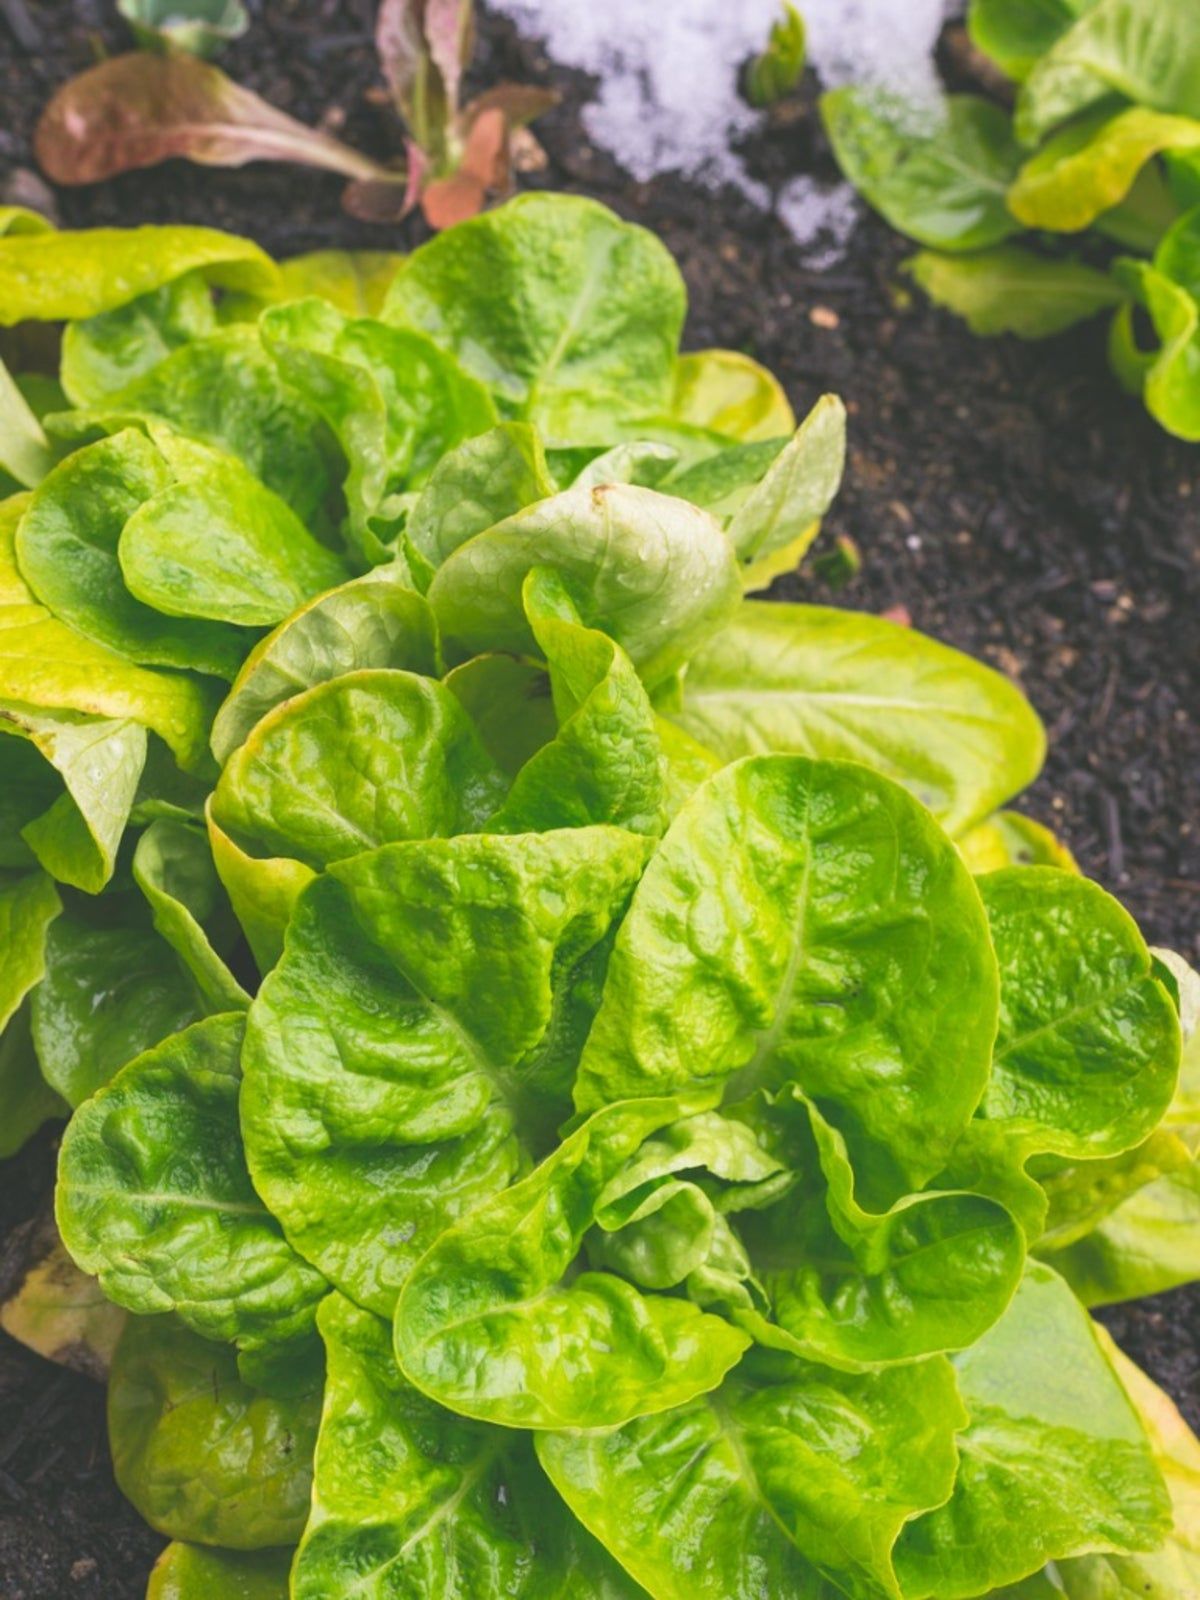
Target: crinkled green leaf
[
  {"x": 1082, "y": 1194},
  {"x": 1173, "y": 1572},
  {"x": 1086, "y": 1056},
  {"x": 1145, "y": 214},
  {"x": 1149, "y": 1243},
  {"x": 370, "y": 757},
  {"x": 112, "y": 989},
  {"x": 479, "y": 483},
  {"x": 1182, "y": 983},
  {"x": 805, "y": 921},
  {"x": 418, "y": 1038},
  {"x": 938, "y": 173},
  {"x": 1144, "y": 1224},
  {"x": 1169, "y": 292},
  {"x": 860, "y": 1289},
  {"x": 227, "y": 391},
  {"x": 663, "y": 1220},
  {"x": 1016, "y": 33},
  {"x": 1088, "y": 1043},
  {"x": 99, "y": 763},
  {"x": 689, "y": 763},
  {"x": 1054, "y": 1442},
  {"x": 103, "y": 354},
  {"x": 488, "y": 1325},
  {"x": 355, "y": 281},
  {"x": 1010, "y": 839},
  {"x": 51, "y": 276},
  {"x": 771, "y": 495},
  {"x": 25, "y": 452},
  {"x": 569, "y": 315},
  {"x": 192, "y": 1572},
  {"x": 1012, "y": 290},
  {"x": 373, "y": 621},
  {"x": 410, "y": 1500},
  {"x": 642, "y": 461},
  {"x": 721, "y": 482},
  {"x": 173, "y": 867},
  {"x": 510, "y": 702},
  {"x": 30, "y": 787},
  {"x": 829, "y": 683},
  {"x": 20, "y": 219},
  {"x": 786, "y": 1474},
  {"x": 655, "y": 573},
  {"x": 604, "y": 764},
  {"x": 218, "y": 544},
  {"x": 26, "y": 1098},
  {"x": 394, "y": 401},
  {"x": 261, "y": 890},
  {"x": 47, "y": 664},
  {"x": 1092, "y": 164},
  {"x": 797, "y": 489},
  {"x": 29, "y": 904},
  {"x": 731, "y": 394},
  {"x": 1147, "y": 51},
  {"x": 202, "y": 1455},
  {"x": 67, "y": 549},
  {"x": 154, "y": 1198}
]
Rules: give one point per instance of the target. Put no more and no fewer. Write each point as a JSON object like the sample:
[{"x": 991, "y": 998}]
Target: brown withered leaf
[
  {"x": 520, "y": 103},
  {"x": 49, "y": 1305}
]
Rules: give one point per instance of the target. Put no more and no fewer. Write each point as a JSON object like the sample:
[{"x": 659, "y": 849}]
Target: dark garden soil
[{"x": 1007, "y": 498}]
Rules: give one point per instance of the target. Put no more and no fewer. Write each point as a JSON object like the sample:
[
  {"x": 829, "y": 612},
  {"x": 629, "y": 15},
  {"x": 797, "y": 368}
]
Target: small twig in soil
[
  {"x": 1104, "y": 709},
  {"x": 1111, "y": 814}
]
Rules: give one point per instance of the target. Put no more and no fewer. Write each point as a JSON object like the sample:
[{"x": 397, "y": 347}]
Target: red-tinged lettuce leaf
[
  {"x": 383, "y": 199},
  {"x": 487, "y": 125},
  {"x": 456, "y": 158},
  {"x": 484, "y": 169},
  {"x": 449, "y": 27},
  {"x": 423, "y": 46},
  {"x": 137, "y": 110}
]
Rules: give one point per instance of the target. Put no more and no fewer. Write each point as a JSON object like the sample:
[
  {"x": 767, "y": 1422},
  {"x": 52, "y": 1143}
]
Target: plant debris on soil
[{"x": 1007, "y": 498}]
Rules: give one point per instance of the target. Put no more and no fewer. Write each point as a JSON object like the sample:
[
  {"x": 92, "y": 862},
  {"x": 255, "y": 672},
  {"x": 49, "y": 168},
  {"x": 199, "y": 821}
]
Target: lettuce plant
[
  {"x": 776, "y": 71},
  {"x": 576, "y": 1080},
  {"x": 151, "y": 105},
  {"x": 194, "y": 27},
  {"x": 1104, "y": 139}
]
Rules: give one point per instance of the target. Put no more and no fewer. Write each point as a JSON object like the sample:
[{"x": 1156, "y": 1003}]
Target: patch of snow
[
  {"x": 820, "y": 217},
  {"x": 667, "y": 98}
]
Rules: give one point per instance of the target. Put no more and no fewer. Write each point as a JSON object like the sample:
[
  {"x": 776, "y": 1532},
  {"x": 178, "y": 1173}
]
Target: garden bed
[{"x": 1006, "y": 498}]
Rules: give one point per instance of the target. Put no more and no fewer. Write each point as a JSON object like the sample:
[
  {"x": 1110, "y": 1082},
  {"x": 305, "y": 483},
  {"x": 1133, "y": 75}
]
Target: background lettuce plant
[
  {"x": 1104, "y": 141},
  {"x": 166, "y": 101},
  {"x": 578, "y": 1084}
]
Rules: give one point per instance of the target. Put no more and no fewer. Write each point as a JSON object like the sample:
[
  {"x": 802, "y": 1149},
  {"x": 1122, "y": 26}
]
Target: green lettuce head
[{"x": 580, "y": 1085}]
